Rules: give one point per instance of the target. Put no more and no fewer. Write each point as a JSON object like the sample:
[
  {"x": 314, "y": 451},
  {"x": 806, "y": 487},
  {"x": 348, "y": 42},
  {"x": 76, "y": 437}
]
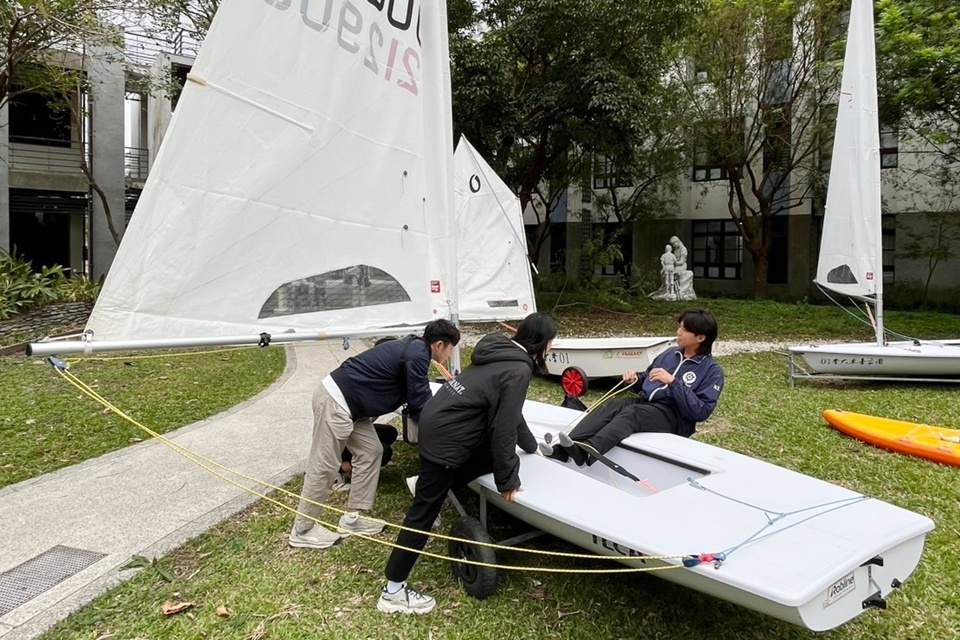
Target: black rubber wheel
[
  {"x": 574, "y": 381},
  {"x": 479, "y": 582}
]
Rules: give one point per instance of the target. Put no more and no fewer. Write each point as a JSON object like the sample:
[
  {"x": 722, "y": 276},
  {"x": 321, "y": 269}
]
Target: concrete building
[{"x": 63, "y": 170}]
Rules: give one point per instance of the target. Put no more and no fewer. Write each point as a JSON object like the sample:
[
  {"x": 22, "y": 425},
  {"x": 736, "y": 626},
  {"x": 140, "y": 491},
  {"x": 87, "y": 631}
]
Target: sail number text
[{"x": 350, "y": 30}]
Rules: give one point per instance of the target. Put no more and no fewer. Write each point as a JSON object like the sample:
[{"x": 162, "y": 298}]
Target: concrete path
[{"x": 146, "y": 499}]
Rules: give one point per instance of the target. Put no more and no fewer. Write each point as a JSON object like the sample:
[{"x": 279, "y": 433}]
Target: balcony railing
[
  {"x": 136, "y": 163},
  {"x": 45, "y": 154}
]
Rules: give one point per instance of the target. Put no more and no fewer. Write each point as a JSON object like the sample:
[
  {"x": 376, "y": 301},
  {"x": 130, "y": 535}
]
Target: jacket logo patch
[{"x": 689, "y": 377}]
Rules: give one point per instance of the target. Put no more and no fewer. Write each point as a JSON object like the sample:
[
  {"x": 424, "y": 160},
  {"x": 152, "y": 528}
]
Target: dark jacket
[
  {"x": 374, "y": 383},
  {"x": 481, "y": 412},
  {"x": 694, "y": 392}
]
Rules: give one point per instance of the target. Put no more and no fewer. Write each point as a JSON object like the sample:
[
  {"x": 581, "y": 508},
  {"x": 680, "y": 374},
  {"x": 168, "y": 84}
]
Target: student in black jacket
[
  {"x": 471, "y": 427},
  {"x": 365, "y": 386}
]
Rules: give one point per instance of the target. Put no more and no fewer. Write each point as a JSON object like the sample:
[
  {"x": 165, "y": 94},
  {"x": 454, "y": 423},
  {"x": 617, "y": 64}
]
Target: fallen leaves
[
  {"x": 224, "y": 612},
  {"x": 171, "y": 607}
]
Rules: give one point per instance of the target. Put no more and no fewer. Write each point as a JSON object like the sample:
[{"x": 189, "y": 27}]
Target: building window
[
  {"x": 613, "y": 233},
  {"x": 721, "y": 146},
  {"x": 778, "y": 260},
  {"x": 607, "y": 176},
  {"x": 889, "y": 147},
  {"x": 889, "y": 248},
  {"x": 558, "y": 247},
  {"x": 717, "y": 249},
  {"x": 708, "y": 166},
  {"x": 35, "y": 120}
]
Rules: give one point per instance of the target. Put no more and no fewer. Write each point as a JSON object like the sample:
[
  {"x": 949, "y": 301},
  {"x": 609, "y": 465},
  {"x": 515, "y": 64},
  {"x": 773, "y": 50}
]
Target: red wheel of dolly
[{"x": 574, "y": 381}]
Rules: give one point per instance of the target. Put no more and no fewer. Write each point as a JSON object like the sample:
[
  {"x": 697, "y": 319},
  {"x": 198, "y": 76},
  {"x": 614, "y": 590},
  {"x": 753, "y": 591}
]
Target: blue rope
[{"x": 773, "y": 517}]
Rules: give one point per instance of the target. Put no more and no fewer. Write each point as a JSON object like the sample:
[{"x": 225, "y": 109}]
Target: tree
[
  {"x": 539, "y": 88},
  {"x": 918, "y": 63},
  {"x": 35, "y": 34},
  {"x": 933, "y": 241},
  {"x": 757, "y": 73}
]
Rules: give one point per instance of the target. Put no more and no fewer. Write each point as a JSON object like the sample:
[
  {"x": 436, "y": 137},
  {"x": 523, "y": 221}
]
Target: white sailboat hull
[
  {"x": 605, "y": 357},
  {"x": 929, "y": 359},
  {"x": 807, "y": 569}
]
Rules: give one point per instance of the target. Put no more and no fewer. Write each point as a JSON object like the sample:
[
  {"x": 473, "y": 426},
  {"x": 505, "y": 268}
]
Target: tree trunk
[{"x": 761, "y": 265}]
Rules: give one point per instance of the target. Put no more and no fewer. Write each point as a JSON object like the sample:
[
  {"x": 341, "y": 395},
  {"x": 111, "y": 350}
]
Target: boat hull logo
[{"x": 842, "y": 587}]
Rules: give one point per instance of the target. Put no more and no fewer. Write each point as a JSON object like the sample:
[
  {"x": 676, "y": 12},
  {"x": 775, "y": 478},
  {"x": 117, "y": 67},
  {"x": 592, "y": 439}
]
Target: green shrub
[{"x": 22, "y": 289}]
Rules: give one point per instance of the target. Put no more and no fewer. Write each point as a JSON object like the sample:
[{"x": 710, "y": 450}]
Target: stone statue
[{"x": 677, "y": 279}]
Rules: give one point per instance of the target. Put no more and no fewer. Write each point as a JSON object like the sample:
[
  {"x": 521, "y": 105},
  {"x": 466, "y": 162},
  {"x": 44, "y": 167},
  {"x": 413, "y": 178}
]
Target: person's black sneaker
[
  {"x": 551, "y": 451},
  {"x": 572, "y": 449}
]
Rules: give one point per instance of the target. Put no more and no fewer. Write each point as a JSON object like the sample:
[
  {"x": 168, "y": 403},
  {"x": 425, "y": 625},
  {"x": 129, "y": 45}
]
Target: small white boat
[
  {"x": 495, "y": 280},
  {"x": 578, "y": 360},
  {"x": 851, "y": 247},
  {"x": 794, "y": 547},
  {"x": 926, "y": 360}
]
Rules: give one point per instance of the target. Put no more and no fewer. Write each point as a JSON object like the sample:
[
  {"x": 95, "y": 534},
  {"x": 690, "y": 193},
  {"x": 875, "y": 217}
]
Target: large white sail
[
  {"x": 305, "y": 181},
  {"x": 850, "y": 248},
  {"x": 493, "y": 268}
]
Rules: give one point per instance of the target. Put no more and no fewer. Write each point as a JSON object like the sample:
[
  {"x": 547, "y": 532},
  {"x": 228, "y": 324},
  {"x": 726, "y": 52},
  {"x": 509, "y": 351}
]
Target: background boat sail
[
  {"x": 851, "y": 250},
  {"x": 304, "y": 185},
  {"x": 493, "y": 267}
]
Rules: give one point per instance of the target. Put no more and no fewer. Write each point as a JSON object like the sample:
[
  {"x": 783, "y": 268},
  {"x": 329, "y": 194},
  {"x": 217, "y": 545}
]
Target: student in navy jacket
[
  {"x": 679, "y": 389},
  {"x": 365, "y": 386},
  {"x": 471, "y": 427}
]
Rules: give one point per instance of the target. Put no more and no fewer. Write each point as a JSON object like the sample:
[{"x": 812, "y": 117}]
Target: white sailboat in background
[
  {"x": 306, "y": 184},
  {"x": 493, "y": 268},
  {"x": 495, "y": 280},
  {"x": 851, "y": 251}
]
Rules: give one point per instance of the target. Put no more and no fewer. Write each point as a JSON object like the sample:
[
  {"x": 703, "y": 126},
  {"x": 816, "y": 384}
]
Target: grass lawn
[
  {"x": 46, "y": 424},
  {"x": 273, "y": 591}
]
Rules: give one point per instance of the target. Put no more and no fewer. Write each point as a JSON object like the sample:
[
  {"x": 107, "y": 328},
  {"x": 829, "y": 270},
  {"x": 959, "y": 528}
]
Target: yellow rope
[
  {"x": 203, "y": 462},
  {"x": 204, "y": 352}
]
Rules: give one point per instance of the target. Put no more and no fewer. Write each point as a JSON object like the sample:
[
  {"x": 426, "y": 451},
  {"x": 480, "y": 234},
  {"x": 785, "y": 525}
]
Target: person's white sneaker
[
  {"x": 406, "y": 600},
  {"x": 341, "y": 483},
  {"x": 360, "y": 526},
  {"x": 316, "y": 538}
]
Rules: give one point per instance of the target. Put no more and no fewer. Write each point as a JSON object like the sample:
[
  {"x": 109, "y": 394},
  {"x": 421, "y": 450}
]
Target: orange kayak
[{"x": 933, "y": 443}]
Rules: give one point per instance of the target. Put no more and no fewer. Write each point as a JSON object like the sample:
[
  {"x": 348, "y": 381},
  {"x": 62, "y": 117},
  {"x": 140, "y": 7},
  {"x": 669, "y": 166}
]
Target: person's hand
[
  {"x": 511, "y": 495},
  {"x": 661, "y": 375},
  {"x": 630, "y": 377}
]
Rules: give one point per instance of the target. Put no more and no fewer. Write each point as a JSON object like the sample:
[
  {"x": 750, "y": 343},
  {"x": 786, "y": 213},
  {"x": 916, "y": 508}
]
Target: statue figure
[{"x": 677, "y": 279}]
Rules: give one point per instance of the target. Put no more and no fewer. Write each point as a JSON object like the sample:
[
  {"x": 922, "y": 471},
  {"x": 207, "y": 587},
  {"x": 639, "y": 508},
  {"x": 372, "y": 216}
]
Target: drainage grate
[{"x": 28, "y": 580}]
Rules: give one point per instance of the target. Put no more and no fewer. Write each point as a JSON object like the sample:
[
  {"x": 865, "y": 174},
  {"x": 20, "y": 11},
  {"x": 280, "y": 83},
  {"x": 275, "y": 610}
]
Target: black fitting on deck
[{"x": 264, "y": 340}]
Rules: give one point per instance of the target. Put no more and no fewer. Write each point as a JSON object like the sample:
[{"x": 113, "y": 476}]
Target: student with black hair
[
  {"x": 679, "y": 389},
  {"x": 368, "y": 385},
  {"x": 471, "y": 427}
]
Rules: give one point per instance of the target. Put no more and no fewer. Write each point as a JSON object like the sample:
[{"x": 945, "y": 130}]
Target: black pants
[
  {"x": 432, "y": 486},
  {"x": 613, "y": 421}
]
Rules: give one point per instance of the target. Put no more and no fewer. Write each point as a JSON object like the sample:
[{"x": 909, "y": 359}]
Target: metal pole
[{"x": 89, "y": 346}]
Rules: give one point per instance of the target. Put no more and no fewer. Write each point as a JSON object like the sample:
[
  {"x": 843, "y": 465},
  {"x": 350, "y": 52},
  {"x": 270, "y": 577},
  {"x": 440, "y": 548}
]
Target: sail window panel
[{"x": 351, "y": 288}]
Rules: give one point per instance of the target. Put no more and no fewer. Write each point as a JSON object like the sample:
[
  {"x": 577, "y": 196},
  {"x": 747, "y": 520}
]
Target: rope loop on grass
[{"x": 219, "y": 470}]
